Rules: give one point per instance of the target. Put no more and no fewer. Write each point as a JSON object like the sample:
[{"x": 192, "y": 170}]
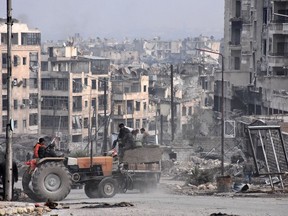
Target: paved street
[{"x": 159, "y": 203}]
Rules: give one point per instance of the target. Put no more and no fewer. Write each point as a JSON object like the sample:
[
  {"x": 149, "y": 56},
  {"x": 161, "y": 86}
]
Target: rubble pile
[
  {"x": 23, "y": 205},
  {"x": 181, "y": 170},
  {"x": 197, "y": 176},
  {"x": 181, "y": 188},
  {"x": 19, "y": 208}
]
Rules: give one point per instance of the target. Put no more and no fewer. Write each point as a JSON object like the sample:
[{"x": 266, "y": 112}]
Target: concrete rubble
[
  {"x": 25, "y": 207},
  {"x": 22, "y": 208},
  {"x": 184, "y": 179}
]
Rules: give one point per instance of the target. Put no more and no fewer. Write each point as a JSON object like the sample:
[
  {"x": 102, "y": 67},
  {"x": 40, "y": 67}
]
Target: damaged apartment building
[
  {"x": 130, "y": 99},
  {"x": 26, "y": 100},
  {"x": 255, "y": 57},
  {"x": 185, "y": 91},
  {"x": 73, "y": 96}
]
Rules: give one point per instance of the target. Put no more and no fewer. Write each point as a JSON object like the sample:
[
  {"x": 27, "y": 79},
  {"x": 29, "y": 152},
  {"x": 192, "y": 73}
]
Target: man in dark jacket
[
  {"x": 123, "y": 131},
  {"x": 3, "y": 175},
  {"x": 123, "y": 140}
]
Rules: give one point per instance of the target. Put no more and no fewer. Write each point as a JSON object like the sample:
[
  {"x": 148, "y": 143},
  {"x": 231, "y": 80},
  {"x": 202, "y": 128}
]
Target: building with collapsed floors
[
  {"x": 183, "y": 90},
  {"x": 130, "y": 99}
]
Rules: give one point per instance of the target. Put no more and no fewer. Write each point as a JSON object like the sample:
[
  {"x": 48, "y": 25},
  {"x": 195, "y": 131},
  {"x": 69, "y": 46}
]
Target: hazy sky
[{"x": 169, "y": 19}]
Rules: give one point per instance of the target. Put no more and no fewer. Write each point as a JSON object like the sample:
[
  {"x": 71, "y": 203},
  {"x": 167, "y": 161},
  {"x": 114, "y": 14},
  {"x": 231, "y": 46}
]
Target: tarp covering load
[{"x": 143, "y": 155}]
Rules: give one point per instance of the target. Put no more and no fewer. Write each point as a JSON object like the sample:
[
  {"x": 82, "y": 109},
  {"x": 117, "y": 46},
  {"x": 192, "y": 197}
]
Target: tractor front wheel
[
  {"x": 26, "y": 179},
  {"x": 52, "y": 181}
]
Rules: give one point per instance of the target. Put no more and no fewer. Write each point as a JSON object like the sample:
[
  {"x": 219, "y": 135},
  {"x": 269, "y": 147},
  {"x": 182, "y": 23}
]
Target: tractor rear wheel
[
  {"x": 52, "y": 181},
  {"x": 91, "y": 189},
  {"x": 26, "y": 179},
  {"x": 107, "y": 187}
]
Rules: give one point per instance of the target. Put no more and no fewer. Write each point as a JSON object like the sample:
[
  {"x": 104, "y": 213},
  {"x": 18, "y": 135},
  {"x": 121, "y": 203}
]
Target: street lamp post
[
  {"x": 222, "y": 106},
  {"x": 10, "y": 123},
  {"x": 90, "y": 128},
  {"x": 105, "y": 116},
  {"x": 172, "y": 103},
  {"x": 105, "y": 81}
]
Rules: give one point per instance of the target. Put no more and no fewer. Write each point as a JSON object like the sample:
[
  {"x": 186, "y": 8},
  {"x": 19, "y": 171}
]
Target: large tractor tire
[
  {"x": 107, "y": 187},
  {"x": 91, "y": 189},
  {"x": 26, "y": 179},
  {"x": 52, "y": 181}
]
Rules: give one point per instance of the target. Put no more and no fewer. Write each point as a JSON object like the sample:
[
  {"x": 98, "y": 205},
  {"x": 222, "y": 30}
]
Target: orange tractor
[{"x": 52, "y": 177}]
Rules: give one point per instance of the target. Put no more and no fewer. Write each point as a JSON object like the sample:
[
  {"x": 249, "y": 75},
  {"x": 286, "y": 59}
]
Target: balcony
[
  {"x": 236, "y": 19},
  {"x": 235, "y": 45},
  {"x": 277, "y": 59},
  {"x": 76, "y": 131},
  {"x": 119, "y": 97},
  {"x": 278, "y": 28}
]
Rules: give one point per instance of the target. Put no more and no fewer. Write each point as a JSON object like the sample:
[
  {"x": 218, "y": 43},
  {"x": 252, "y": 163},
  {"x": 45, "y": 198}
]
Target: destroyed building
[
  {"x": 187, "y": 94},
  {"x": 130, "y": 99}
]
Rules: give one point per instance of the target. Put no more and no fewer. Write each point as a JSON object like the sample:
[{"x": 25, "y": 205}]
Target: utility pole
[
  {"x": 105, "y": 117},
  {"x": 90, "y": 128},
  {"x": 222, "y": 116},
  {"x": 222, "y": 106},
  {"x": 172, "y": 104},
  {"x": 161, "y": 128},
  {"x": 96, "y": 125},
  {"x": 10, "y": 124}
]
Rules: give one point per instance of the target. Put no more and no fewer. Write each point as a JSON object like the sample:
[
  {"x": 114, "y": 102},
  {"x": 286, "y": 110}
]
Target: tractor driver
[{"x": 39, "y": 149}]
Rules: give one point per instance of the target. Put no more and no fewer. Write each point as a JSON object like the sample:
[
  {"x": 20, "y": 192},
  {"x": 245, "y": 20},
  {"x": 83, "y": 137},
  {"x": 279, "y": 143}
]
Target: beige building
[
  {"x": 130, "y": 102},
  {"x": 73, "y": 97},
  {"x": 256, "y": 56},
  {"x": 25, "y": 101}
]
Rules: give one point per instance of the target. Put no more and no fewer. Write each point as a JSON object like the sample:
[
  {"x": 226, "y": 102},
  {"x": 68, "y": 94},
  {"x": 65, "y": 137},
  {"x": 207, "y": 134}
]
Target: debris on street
[
  {"x": 222, "y": 214},
  {"x": 240, "y": 187},
  {"x": 197, "y": 176},
  {"x": 109, "y": 205},
  {"x": 51, "y": 205}
]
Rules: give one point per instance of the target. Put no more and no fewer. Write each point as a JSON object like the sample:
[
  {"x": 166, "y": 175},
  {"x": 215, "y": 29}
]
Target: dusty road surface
[{"x": 160, "y": 203}]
